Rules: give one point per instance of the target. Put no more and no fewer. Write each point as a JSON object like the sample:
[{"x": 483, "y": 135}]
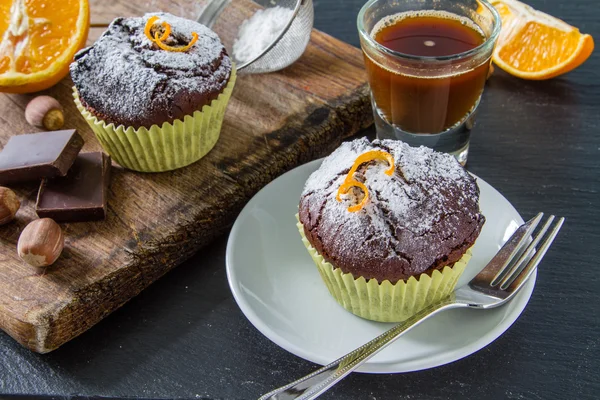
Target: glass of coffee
[{"x": 427, "y": 62}]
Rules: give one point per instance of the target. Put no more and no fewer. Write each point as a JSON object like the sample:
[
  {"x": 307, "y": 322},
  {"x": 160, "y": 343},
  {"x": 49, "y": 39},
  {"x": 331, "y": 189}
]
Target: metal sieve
[{"x": 285, "y": 49}]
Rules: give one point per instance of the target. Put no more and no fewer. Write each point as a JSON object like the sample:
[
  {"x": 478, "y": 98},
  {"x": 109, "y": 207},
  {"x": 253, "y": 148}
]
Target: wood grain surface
[
  {"x": 538, "y": 143},
  {"x": 155, "y": 221}
]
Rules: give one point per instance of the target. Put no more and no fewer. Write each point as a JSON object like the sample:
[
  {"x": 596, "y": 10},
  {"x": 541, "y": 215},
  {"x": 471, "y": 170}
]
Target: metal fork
[{"x": 494, "y": 286}]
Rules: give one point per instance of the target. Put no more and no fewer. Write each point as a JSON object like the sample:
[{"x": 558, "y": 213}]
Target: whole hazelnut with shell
[
  {"x": 9, "y": 205},
  {"x": 41, "y": 242},
  {"x": 45, "y": 112}
]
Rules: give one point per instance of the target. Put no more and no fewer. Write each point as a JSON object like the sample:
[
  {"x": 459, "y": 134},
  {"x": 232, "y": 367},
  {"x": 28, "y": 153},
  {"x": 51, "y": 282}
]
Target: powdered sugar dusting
[
  {"x": 435, "y": 173},
  {"x": 429, "y": 195},
  {"x": 339, "y": 161},
  {"x": 126, "y": 74},
  {"x": 259, "y": 31}
]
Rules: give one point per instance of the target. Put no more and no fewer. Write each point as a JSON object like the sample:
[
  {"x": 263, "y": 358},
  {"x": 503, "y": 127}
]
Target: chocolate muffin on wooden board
[
  {"x": 126, "y": 79},
  {"x": 421, "y": 219},
  {"x": 154, "y": 90}
]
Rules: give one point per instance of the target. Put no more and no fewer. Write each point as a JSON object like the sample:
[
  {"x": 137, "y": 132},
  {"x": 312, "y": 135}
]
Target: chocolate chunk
[
  {"x": 39, "y": 155},
  {"x": 79, "y": 196}
]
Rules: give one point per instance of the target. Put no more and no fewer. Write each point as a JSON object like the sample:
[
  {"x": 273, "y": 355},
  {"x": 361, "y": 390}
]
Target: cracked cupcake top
[
  {"x": 127, "y": 79},
  {"x": 423, "y": 217}
]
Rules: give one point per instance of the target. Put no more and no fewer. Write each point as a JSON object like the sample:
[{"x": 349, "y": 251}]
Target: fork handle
[{"x": 313, "y": 385}]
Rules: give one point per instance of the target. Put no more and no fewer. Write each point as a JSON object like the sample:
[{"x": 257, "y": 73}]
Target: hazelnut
[
  {"x": 9, "y": 205},
  {"x": 41, "y": 242},
  {"x": 45, "y": 112}
]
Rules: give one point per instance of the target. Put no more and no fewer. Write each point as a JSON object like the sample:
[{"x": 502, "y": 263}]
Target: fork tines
[{"x": 521, "y": 267}]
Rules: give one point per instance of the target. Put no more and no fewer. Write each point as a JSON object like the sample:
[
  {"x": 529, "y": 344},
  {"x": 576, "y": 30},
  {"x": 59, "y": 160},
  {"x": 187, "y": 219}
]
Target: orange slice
[
  {"x": 535, "y": 45},
  {"x": 38, "y": 41}
]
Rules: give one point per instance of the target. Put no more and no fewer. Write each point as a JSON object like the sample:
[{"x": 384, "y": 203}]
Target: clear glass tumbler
[{"x": 428, "y": 100}]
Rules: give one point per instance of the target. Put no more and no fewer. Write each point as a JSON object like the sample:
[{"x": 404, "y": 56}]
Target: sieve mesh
[{"x": 284, "y": 51}]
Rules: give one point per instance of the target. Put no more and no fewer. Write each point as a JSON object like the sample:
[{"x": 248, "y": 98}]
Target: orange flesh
[
  {"x": 517, "y": 53},
  {"x": 38, "y": 39},
  {"x": 534, "y": 45},
  {"x": 50, "y": 27}
]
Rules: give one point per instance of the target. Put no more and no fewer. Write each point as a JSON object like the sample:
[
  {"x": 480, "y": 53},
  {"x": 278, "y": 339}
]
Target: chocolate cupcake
[
  {"x": 154, "y": 90},
  {"x": 404, "y": 246}
]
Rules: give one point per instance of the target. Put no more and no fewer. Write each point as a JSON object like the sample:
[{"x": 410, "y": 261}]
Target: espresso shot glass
[{"x": 427, "y": 62}]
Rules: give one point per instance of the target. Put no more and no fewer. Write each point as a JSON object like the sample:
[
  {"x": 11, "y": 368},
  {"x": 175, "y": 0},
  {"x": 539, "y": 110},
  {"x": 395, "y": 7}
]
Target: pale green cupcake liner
[
  {"x": 158, "y": 149},
  {"x": 386, "y": 302}
]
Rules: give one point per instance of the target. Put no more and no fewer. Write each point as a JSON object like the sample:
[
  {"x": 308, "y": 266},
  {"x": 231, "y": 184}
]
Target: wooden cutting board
[{"x": 274, "y": 122}]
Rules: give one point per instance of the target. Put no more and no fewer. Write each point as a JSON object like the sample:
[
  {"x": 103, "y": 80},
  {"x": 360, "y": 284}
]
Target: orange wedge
[
  {"x": 38, "y": 41},
  {"x": 535, "y": 45}
]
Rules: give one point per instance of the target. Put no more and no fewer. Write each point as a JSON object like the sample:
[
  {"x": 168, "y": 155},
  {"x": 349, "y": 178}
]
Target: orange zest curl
[
  {"x": 150, "y": 24},
  {"x": 344, "y": 189},
  {"x": 171, "y": 48},
  {"x": 350, "y": 182},
  {"x": 166, "y": 32},
  {"x": 370, "y": 156}
]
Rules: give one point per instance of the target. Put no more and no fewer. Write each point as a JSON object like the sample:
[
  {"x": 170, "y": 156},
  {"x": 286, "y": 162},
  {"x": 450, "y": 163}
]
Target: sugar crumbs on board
[{"x": 259, "y": 31}]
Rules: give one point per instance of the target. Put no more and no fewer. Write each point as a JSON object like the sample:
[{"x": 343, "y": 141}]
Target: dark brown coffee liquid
[{"x": 419, "y": 103}]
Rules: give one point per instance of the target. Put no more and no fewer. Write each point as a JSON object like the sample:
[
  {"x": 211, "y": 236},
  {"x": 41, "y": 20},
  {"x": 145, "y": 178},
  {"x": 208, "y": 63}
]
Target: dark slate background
[{"x": 537, "y": 142}]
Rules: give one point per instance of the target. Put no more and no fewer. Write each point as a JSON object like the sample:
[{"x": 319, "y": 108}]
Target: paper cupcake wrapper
[
  {"x": 172, "y": 146},
  {"x": 386, "y": 302}
]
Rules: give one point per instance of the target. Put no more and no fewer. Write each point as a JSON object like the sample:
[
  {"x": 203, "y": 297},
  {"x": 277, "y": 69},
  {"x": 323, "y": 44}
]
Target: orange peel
[
  {"x": 164, "y": 46},
  {"x": 160, "y": 40},
  {"x": 150, "y": 25},
  {"x": 350, "y": 182},
  {"x": 370, "y": 156}
]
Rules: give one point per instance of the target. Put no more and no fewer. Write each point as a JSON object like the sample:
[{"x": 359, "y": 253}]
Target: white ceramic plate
[{"x": 278, "y": 288}]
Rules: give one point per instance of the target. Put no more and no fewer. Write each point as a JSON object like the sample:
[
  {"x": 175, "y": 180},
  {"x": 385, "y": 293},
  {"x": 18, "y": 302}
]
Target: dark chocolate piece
[
  {"x": 39, "y": 155},
  {"x": 79, "y": 196}
]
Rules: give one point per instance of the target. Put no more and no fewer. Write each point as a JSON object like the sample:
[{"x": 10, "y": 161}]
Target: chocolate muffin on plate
[
  {"x": 154, "y": 90},
  {"x": 389, "y": 226}
]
